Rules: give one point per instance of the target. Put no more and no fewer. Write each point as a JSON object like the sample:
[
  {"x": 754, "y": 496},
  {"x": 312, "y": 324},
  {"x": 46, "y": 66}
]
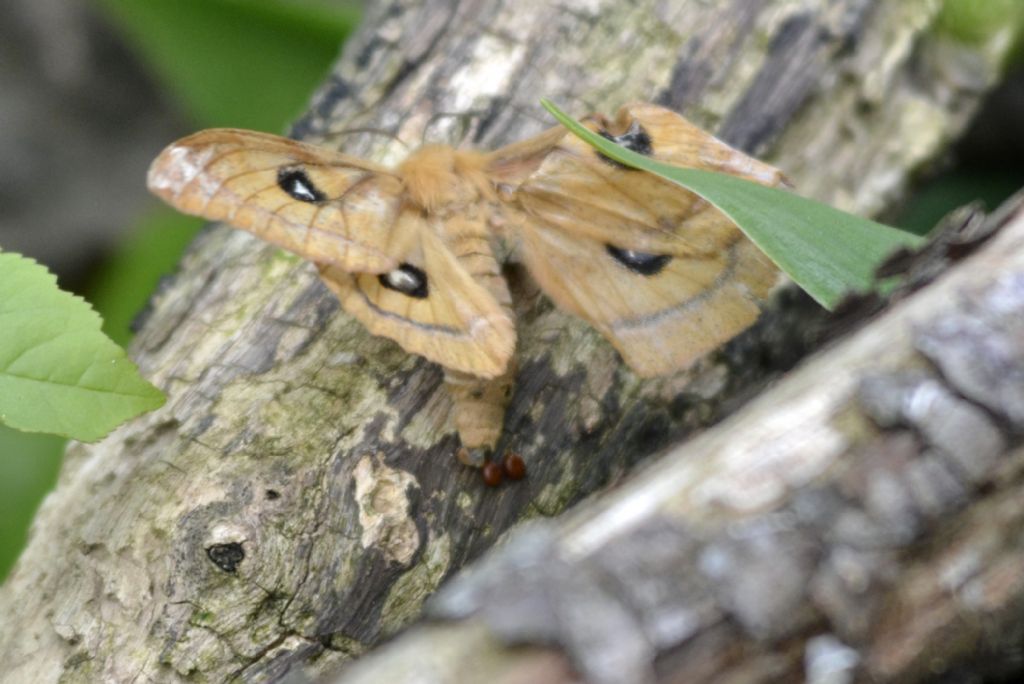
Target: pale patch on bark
[
  {"x": 489, "y": 74},
  {"x": 596, "y": 386},
  {"x": 384, "y": 509}
]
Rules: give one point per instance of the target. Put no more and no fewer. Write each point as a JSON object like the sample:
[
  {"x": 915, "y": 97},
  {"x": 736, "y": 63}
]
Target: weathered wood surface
[
  {"x": 860, "y": 520},
  {"x": 297, "y": 499}
]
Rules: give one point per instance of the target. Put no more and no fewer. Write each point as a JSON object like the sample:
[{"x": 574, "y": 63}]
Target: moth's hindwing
[
  {"x": 661, "y": 273},
  {"x": 431, "y": 304}
]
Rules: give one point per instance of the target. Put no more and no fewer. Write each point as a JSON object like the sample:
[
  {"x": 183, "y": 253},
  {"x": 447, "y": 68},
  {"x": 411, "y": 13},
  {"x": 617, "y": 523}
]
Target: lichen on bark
[{"x": 221, "y": 536}]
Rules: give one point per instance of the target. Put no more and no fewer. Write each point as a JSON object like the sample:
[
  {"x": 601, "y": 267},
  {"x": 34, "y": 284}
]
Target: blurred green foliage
[
  {"x": 944, "y": 193},
  {"x": 241, "y": 63},
  {"x": 28, "y": 470},
  {"x": 979, "y": 22},
  {"x": 148, "y": 252}
]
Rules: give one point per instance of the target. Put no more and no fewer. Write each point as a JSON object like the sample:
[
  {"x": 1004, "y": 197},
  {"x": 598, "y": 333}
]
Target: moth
[{"x": 410, "y": 251}]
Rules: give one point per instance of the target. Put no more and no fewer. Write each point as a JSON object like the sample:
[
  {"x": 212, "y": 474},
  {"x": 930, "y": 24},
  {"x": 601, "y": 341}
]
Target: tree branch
[
  {"x": 297, "y": 498},
  {"x": 859, "y": 519}
]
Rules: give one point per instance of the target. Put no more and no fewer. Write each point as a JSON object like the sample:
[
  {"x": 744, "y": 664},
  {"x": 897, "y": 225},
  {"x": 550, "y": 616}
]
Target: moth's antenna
[
  {"x": 464, "y": 123},
  {"x": 333, "y": 135}
]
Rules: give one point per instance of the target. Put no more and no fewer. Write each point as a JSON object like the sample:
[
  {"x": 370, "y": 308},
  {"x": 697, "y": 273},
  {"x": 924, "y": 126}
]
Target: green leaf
[
  {"x": 58, "y": 373},
  {"x": 827, "y": 252}
]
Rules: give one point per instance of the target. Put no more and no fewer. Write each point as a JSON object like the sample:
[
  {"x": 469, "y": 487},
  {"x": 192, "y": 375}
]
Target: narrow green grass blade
[
  {"x": 58, "y": 372},
  {"x": 827, "y": 252}
]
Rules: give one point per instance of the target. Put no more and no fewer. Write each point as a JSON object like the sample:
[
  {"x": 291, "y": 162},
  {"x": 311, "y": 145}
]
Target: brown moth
[{"x": 662, "y": 274}]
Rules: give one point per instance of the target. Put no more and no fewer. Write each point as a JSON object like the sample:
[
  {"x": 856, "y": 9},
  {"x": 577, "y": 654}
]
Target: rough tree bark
[
  {"x": 861, "y": 519},
  {"x": 297, "y": 499}
]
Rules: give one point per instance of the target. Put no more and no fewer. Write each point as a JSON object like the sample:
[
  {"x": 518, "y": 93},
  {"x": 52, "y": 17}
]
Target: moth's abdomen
[
  {"x": 479, "y": 403},
  {"x": 477, "y": 258},
  {"x": 479, "y": 406}
]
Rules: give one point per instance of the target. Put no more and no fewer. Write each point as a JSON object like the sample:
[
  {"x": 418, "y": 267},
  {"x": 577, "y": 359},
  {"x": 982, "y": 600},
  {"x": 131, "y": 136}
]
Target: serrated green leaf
[
  {"x": 58, "y": 372},
  {"x": 827, "y": 252}
]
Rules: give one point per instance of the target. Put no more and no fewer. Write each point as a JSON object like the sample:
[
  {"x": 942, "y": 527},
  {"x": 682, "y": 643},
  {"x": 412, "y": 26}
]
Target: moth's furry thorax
[{"x": 438, "y": 176}]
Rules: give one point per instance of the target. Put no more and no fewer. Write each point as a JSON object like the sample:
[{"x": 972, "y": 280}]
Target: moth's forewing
[{"x": 322, "y": 205}]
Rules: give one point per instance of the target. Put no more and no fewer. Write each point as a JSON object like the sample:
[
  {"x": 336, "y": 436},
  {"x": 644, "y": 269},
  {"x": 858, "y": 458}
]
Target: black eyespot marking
[
  {"x": 226, "y": 556},
  {"x": 639, "y": 262},
  {"x": 297, "y": 184},
  {"x": 406, "y": 279},
  {"x": 635, "y": 139}
]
